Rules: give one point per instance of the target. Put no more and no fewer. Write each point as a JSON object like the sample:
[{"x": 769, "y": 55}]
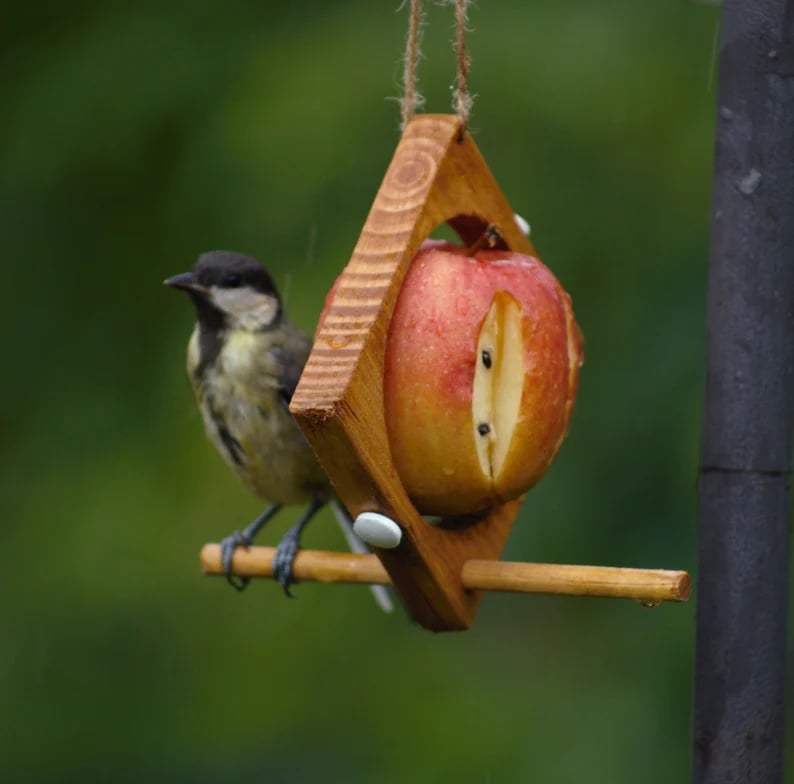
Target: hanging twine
[
  {"x": 461, "y": 98},
  {"x": 412, "y": 99}
]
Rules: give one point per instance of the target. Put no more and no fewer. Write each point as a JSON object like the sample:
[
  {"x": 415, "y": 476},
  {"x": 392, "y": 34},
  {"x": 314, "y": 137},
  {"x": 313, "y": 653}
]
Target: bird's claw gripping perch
[
  {"x": 228, "y": 546},
  {"x": 243, "y": 538},
  {"x": 284, "y": 559},
  {"x": 290, "y": 544}
]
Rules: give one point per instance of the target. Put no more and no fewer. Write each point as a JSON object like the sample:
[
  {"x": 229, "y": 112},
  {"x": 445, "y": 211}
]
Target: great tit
[{"x": 244, "y": 360}]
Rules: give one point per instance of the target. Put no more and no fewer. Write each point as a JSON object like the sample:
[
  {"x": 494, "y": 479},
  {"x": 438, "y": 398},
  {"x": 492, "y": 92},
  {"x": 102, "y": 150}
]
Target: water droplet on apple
[
  {"x": 649, "y": 603},
  {"x": 448, "y": 470},
  {"x": 338, "y": 341}
]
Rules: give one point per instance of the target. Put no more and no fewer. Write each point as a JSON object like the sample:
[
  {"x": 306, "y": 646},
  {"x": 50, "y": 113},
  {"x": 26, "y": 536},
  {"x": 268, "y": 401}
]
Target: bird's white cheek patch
[
  {"x": 250, "y": 309},
  {"x": 264, "y": 314}
]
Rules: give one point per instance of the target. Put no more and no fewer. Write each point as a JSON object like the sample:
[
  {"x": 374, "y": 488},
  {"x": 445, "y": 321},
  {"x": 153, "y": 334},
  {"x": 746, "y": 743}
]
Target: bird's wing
[{"x": 290, "y": 358}]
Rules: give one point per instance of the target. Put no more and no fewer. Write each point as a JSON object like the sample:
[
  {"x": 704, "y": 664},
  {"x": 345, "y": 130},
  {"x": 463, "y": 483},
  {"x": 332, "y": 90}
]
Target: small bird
[{"x": 244, "y": 360}]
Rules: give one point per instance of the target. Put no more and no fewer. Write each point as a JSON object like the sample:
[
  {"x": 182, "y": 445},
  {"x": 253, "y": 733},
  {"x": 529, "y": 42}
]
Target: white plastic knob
[
  {"x": 378, "y": 530},
  {"x": 522, "y": 224}
]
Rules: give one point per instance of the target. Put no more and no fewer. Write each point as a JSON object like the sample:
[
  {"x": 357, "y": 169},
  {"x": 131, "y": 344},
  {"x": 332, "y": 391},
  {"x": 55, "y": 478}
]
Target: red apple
[{"x": 480, "y": 375}]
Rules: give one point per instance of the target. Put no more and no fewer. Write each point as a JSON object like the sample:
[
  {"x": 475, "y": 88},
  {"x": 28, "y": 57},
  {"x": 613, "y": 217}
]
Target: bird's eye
[{"x": 231, "y": 280}]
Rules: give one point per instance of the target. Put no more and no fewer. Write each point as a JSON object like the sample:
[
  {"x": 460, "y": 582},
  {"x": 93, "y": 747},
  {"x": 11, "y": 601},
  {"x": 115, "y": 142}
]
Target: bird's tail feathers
[{"x": 356, "y": 545}]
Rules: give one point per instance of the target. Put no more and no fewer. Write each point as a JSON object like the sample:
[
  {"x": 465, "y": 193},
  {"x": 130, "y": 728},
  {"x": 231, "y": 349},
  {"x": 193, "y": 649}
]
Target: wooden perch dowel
[
  {"x": 317, "y": 565},
  {"x": 644, "y": 585}
]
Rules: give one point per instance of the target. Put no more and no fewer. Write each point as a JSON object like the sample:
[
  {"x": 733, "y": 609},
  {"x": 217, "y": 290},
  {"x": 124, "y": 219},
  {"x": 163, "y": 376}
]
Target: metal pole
[{"x": 745, "y": 469}]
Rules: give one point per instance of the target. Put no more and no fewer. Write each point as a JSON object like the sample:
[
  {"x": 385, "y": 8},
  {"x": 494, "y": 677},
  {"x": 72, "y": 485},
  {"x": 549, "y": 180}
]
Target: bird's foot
[
  {"x": 288, "y": 547},
  {"x": 284, "y": 559},
  {"x": 242, "y": 538},
  {"x": 228, "y": 546}
]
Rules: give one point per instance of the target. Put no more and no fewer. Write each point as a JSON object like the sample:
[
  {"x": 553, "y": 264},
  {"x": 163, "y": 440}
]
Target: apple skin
[{"x": 429, "y": 372}]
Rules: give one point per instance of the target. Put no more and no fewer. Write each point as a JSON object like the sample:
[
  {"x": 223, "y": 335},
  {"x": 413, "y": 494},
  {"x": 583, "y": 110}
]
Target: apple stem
[{"x": 487, "y": 239}]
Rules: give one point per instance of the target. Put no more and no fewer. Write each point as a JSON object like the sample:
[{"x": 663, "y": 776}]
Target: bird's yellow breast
[{"x": 245, "y": 415}]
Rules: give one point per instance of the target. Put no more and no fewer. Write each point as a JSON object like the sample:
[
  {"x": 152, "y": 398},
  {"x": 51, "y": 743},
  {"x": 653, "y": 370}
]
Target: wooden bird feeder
[{"x": 437, "y": 176}]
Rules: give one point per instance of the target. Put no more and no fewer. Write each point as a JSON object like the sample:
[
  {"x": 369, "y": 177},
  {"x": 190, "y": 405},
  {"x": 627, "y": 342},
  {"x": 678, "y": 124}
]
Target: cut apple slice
[{"x": 498, "y": 382}]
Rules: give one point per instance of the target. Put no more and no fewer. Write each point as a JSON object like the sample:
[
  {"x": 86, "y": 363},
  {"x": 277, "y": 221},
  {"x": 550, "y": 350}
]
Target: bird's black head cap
[{"x": 228, "y": 269}]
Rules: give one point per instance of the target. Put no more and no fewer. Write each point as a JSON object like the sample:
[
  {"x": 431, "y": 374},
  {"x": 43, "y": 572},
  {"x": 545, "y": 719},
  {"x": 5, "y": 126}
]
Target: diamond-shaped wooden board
[{"x": 437, "y": 176}]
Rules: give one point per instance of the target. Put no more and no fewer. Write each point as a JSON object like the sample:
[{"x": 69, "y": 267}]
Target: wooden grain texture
[
  {"x": 316, "y": 565},
  {"x": 435, "y": 177},
  {"x": 644, "y": 585}
]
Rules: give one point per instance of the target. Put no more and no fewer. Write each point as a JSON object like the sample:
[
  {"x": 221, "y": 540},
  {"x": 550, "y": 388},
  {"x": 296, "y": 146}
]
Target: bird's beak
[{"x": 187, "y": 282}]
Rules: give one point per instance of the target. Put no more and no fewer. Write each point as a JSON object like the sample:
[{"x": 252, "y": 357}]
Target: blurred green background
[{"x": 136, "y": 135}]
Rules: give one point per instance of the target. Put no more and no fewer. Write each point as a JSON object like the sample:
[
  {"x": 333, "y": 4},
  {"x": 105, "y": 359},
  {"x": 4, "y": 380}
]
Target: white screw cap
[
  {"x": 522, "y": 224},
  {"x": 378, "y": 530}
]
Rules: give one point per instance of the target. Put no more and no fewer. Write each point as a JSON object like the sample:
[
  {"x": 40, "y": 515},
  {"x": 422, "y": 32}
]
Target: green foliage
[{"x": 135, "y": 136}]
